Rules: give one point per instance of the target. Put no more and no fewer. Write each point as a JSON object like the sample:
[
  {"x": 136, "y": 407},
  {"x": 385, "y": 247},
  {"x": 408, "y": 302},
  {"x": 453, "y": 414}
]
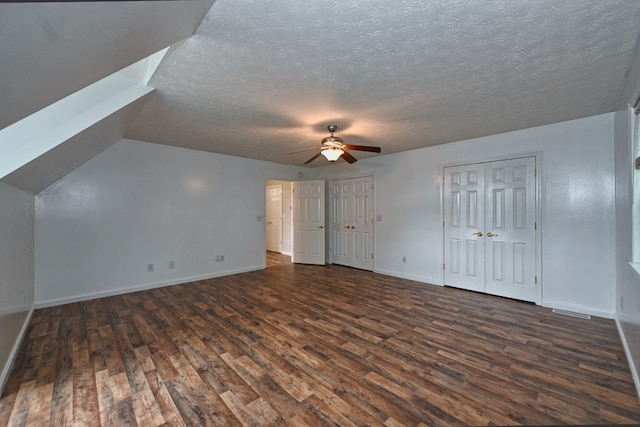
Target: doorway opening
[{"x": 278, "y": 221}]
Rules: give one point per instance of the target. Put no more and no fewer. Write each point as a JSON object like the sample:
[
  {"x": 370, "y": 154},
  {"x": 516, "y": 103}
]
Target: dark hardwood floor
[{"x": 310, "y": 345}]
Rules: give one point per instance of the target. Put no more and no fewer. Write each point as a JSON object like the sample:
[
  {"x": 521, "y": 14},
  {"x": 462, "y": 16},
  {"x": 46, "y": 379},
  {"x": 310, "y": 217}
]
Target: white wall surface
[
  {"x": 577, "y": 207},
  {"x": 16, "y": 271},
  {"x": 628, "y": 281},
  {"x": 136, "y": 204}
]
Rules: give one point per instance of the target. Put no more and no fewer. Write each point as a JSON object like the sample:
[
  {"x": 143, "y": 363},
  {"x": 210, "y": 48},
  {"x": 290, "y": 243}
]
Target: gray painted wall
[{"x": 16, "y": 271}]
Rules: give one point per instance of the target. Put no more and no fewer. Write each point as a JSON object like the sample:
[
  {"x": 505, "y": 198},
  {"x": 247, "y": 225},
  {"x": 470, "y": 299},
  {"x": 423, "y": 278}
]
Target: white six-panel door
[
  {"x": 510, "y": 224},
  {"x": 490, "y": 228},
  {"x": 464, "y": 227},
  {"x": 308, "y": 222},
  {"x": 274, "y": 218},
  {"x": 352, "y": 222}
]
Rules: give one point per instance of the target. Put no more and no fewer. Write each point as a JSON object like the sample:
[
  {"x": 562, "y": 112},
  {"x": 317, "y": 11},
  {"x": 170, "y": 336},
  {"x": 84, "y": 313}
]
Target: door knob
[
  {"x": 346, "y": 226},
  {"x": 353, "y": 227},
  {"x": 478, "y": 233},
  {"x": 321, "y": 226},
  {"x": 490, "y": 234}
]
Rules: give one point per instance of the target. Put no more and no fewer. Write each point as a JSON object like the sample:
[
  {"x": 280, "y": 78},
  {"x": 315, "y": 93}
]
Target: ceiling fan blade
[
  {"x": 302, "y": 151},
  {"x": 313, "y": 158},
  {"x": 349, "y": 158},
  {"x": 363, "y": 148}
]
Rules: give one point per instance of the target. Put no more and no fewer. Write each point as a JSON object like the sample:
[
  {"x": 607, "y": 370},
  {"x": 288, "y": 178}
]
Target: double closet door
[
  {"x": 351, "y": 219},
  {"x": 490, "y": 228}
]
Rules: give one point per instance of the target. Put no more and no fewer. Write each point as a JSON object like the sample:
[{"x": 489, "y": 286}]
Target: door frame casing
[{"x": 538, "y": 231}]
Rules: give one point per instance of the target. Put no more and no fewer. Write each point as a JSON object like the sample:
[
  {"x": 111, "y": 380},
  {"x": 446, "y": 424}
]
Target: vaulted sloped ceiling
[
  {"x": 67, "y": 82},
  {"x": 51, "y": 50},
  {"x": 261, "y": 78}
]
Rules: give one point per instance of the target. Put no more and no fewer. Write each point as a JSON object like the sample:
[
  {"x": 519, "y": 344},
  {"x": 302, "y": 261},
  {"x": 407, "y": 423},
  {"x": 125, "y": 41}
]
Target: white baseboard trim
[
  {"x": 408, "y": 276},
  {"x": 144, "y": 287},
  {"x": 287, "y": 253},
  {"x": 627, "y": 351},
  {"x": 577, "y": 309},
  {"x": 6, "y": 370}
]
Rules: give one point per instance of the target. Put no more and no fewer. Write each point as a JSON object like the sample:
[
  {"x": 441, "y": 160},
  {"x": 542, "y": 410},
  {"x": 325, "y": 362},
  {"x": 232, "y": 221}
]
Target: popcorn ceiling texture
[{"x": 260, "y": 78}]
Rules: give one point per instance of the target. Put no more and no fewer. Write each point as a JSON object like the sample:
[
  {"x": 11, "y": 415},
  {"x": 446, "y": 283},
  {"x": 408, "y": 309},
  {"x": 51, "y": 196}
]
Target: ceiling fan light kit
[
  {"x": 333, "y": 147},
  {"x": 332, "y": 154}
]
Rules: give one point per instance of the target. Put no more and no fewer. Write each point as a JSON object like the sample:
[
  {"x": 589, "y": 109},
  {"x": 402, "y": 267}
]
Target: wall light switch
[{"x": 378, "y": 218}]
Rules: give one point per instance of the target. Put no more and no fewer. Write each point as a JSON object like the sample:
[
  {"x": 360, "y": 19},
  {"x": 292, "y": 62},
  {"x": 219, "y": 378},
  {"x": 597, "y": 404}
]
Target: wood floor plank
[
  {"x": 316, "y": 345},
  {"x": 106, "y": 403},
  {"x": 165, "y": 403}
]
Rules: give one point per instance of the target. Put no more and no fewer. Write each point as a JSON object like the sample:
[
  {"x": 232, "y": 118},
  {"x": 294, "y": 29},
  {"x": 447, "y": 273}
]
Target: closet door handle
[
  {"x": 478, "y": 233},
  {"x": 490, "y": 234}
]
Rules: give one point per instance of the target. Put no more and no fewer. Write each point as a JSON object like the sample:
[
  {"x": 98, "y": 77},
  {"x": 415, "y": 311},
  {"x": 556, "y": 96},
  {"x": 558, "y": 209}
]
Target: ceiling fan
[{"x": 333, "y": 147}]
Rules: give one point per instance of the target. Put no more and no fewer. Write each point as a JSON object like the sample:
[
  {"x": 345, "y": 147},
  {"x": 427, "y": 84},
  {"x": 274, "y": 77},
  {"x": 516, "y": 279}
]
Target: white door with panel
[
  {"x": 490, "y": 228},
  {"x": 351, "y": 221},
  {"x": 464, "y": 227},
  {"x": 308, "y": 222},
  {"x": 274, "y": 218}
]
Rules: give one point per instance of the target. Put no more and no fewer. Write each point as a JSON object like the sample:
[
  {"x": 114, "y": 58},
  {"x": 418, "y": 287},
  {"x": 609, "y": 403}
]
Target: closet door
[
  {"x": 510, "y": 224},
  {"x": 352, "y": 222},
  {"x": 464, "y": 227},
  {"x": 308, "y": 222},
  {"x": 340, "y": 221},
  {"x": 490, "y": 228}
]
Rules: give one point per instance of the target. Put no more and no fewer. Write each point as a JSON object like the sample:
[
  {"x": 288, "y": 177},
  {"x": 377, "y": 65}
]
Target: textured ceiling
[{"x": 261, "y": 78}]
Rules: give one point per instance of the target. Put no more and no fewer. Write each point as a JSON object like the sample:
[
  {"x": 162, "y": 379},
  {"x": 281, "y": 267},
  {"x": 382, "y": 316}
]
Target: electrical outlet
[
  {"x": 621, "y": 304},
  {"x": 24, "y": 301},
  {"x": 404, "y": 259},
  {"x": 172, "y": 264},
  {"x": 219, "y": 258},
  {"x": 149, "y": 267}
]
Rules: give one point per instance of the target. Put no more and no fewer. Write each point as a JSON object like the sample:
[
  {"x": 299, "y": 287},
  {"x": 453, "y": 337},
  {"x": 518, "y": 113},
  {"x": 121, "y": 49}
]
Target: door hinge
[
  {"x": 371, "y": 256},
  {"x": 535, "y": 226},
  {"x": 443, "y": 223},
  {"x": 443, "y": 266},
  {"x": 535, "y": 280},
  {"x": 535, "y": 172}
]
